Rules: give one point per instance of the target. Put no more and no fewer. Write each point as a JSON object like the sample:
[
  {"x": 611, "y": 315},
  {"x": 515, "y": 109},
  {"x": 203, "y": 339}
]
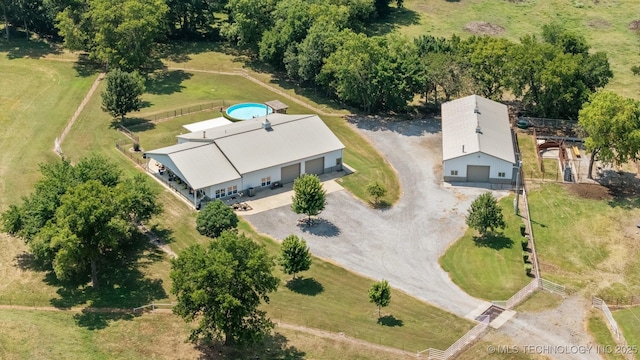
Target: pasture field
[
  {"x": 493, "y": 268},
  {"x": 597, "y": 327},
  {"x": 604, "y": 23}
]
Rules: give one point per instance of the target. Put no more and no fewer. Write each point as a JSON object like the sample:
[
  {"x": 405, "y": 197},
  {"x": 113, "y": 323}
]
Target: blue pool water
[{"x": 247, "y": 111}]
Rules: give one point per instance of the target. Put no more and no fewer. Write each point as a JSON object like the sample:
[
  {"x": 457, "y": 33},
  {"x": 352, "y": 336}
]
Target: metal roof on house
[
  {"x": 199, "y": 164},
  {"x": 206, "y": 124},
  {"x": 476, "y": 124},
  {"x": 246, "y": 146}
]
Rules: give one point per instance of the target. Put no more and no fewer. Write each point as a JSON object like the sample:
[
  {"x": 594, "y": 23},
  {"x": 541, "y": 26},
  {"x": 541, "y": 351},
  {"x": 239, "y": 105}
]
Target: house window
[
  {"x": 231, "y": 190},
  {"x": 266, "y": 181},
  {"x": 454, "y": 172},
  {"x": 220, "y": 193},
  {"x": 501, "y": 174}
]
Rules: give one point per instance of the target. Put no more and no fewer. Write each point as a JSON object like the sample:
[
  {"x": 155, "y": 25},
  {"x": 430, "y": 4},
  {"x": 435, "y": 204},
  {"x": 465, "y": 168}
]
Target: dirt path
[{"x": 315, "y": 332}]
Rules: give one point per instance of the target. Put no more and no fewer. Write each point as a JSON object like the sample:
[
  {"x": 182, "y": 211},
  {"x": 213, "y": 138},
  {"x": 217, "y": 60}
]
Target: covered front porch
[{"x": 193, "y": 197}]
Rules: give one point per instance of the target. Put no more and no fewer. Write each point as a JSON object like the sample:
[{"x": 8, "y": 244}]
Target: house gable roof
[{"x": 476, "y": 124}]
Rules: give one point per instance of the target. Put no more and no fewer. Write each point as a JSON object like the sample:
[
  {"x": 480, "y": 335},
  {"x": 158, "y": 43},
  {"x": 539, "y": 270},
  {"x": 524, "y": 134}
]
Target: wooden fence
[{"x": 217, "y": 105}]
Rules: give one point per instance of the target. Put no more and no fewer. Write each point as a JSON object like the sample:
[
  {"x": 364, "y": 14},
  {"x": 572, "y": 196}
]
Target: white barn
[
  {"x": 477, "y": 142},
  {"x": 224, "y": 160}
]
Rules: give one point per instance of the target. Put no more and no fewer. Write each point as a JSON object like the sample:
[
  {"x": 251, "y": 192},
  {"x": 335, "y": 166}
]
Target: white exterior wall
[
  {"x": 254, "y": 179},
  {"x": 480, "y": 159},
  {"x": 330, "y": 159},
  {"x": 211, "y": 190}
]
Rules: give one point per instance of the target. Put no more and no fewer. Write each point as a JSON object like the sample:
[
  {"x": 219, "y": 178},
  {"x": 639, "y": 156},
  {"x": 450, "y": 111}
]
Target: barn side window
[
  {"x": 266, "y": 181},
  {"x": 454, "y": 172},
  {"x": 501, "y": 174}
]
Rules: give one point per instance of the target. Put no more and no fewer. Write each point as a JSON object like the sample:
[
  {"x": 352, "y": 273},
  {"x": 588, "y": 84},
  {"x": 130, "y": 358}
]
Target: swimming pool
[{"x": 247, "y": 111}]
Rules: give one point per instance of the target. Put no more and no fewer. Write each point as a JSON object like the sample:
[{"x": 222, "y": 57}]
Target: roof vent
[
  {"x": 204, "y": 134},
  {"x": 476, "y": 110},
  {"x": 266, "y": 124},
  {"x": 478, "y": 129}
]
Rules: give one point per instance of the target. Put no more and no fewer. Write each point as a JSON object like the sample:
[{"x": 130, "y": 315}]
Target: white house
[
  {"x": 250, "y": 155},
  {"x": 477, "y": 143}
]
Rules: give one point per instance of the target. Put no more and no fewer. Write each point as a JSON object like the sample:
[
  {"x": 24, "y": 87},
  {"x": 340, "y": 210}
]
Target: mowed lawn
[
  {"x": 629, "y": 322},
  {"x": 491, "y": 269},
  {"x": 410, "y": 324},
  {"x": 604, "y": 23},
  {"x": 585, "y": 243},
  {"x": 598, "y": 328}
]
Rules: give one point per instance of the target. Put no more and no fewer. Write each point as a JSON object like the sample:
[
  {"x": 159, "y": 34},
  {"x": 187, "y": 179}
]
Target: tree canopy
[
  {"x": 122, "y": 94},
  {"x": 80, "y": 216},
  {"x": 380, "y": 294},
  {"x": 612, "y": 127},
  {"x": 215, "y": 218},
  {"x": 485, "y": 215},
  {"x": 309, "y": 196},
  {"x": 294, "y": 255},
  {"x": 221, "y": 287}
]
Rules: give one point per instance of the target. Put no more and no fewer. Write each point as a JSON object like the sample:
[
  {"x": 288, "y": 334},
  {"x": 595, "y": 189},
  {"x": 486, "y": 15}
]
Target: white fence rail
[
  {"x": 154, "y": 306},
  {"x": 600, "y": 304},
  {"x": 518, "y": 297},
  {"x": 552, "y": 287},
  {"x": 461, "y": 344}
]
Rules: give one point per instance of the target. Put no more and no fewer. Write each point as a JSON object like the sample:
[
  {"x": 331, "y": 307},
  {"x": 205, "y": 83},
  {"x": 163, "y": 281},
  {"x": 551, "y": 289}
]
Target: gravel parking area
[{"x": 401, "y": 244}]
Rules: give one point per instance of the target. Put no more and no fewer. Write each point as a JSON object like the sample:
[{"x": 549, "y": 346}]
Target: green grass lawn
[
  {"x": 540, "y": 301},
  {"x": 491, "y": 269},
  {"x": 629, "y": 322},
  {"x": 585, "y": 243},
  {"x": 603, "y": 23},
  {"x": 39, "y": 335},
  {"x": 597, "y": 327}
]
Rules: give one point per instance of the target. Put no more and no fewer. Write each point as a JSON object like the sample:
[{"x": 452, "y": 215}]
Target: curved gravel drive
[{"x": 401, "y": 244}]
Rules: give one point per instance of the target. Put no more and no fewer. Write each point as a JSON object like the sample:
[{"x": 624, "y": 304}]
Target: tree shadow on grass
[
  {"x": 19, "y": 48},
  {"x": 390, "y": 321},
  {"x": 95, "y": 320},
  {"x": 166, "y": 82},
  {"x": 134, "y": 124},
  {"x": 121, "y": 282},
  {"x": 272, "y": 346},
  {"x": 308, "y": 286},
  {"x": 496, "y": 241},
  {"x": 396, "y": 18}
]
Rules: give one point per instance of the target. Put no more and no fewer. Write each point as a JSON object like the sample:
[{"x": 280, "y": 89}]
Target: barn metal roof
[
  {"x": 246, "y": 146},
  {"x": 476, "y": 124}
]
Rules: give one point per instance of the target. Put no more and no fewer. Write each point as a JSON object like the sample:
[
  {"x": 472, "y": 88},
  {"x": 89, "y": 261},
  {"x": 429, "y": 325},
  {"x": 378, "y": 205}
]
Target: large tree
[
  {"x": 294, "y": 255},
  {"x": 612, "y": 126},
  {"x": 81, "y": 216},
  {"x": 117, "y": 33},
  {"x": 309, "y": 197},
  {"x": 248, "y": 20},
  {"x": 123, "y": 93},
  {"x": 380, "y": 294},
  {"x": 215, "y": 218},
  {"x": 221, "y": 287},
  {"x": 485, "y": 215}
]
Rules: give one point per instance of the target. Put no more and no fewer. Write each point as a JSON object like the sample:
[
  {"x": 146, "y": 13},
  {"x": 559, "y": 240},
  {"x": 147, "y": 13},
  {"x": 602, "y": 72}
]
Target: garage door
[
  {"x": 315, "y": 166},
  {"x": 477, "y": 173},
  {"x": 289, "y": 173}
]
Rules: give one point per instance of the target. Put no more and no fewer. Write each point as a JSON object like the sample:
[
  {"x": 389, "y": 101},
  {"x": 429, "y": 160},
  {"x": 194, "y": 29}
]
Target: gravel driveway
[{"x": 401, "y": 244}]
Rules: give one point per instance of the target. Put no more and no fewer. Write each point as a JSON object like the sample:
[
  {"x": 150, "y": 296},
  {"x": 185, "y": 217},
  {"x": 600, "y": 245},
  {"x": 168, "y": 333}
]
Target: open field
[
  {"x": 629, "y": 322},
  {"x": 597, "y": 326},
  {"x": 411, "y": 324},
  {"x": 584, "y": 242},
  {"x": 492, "y": 269},
  {"x": 604, "y": 23},
  {"x": 540, "y": 301},
  {"x": 47, "y": 334}
]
